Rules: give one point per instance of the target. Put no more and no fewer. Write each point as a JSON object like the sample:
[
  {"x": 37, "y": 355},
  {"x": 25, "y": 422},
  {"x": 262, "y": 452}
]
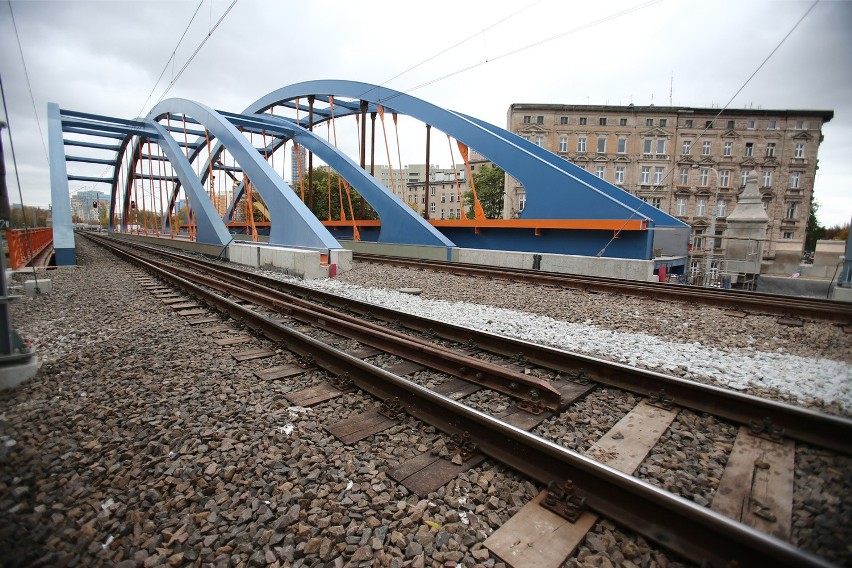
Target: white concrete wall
[
  {"x": 841, "y": 294},
  {"x": 247, "y": 255},
  {"x": 342, "y": 258},
  {"x": 624, "y": 268},
  {"x": 295, "y": 262},
  {"x": 423, "y": 252}
]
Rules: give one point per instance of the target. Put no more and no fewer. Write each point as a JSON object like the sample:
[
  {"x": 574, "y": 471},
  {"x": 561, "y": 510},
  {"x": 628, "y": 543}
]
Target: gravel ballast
[
  {"x": 809, "y": 365},
  {"x": 140, "y": 443}
]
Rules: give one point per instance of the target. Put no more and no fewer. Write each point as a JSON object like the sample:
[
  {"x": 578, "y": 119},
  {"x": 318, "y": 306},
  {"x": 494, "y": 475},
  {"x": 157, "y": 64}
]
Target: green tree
[
  {"x": 815, "y": 231},
  {"x": 318, "y": 197},
  {"x": 181, "y": 218},
  {"x": 489, "y": 183},
  {"x": 837, "y": 232},
  {"x": 29, "y": 216},
  {"x": 103, "y": 215}
]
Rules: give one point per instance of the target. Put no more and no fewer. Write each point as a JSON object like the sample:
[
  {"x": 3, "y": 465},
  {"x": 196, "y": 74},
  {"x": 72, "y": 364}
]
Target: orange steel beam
[
  {"x": 563, "y": 224},
  {"x": 359, "y": 222},
  {"x": 588, "y": 224}
]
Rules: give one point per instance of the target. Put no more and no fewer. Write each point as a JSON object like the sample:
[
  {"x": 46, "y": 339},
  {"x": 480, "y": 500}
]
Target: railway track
[
  {"x": 738, "y": 300},
  {"x": 682, "y": 526}
]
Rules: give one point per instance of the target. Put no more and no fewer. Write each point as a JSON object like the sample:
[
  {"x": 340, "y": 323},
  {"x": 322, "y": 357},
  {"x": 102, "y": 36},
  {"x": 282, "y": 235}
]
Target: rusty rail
[
  {"x": 27, "y": 244},
  {"x": 824, "y": 430},
  {"x": 699, "y": 534}
]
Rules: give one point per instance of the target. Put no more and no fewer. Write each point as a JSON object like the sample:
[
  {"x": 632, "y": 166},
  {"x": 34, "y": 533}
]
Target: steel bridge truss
[{"x": 556, "y": 189}]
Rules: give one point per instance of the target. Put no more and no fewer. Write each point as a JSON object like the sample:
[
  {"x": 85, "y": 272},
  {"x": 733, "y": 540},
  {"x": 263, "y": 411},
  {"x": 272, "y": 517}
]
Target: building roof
[{"x": 826, "y": 115}]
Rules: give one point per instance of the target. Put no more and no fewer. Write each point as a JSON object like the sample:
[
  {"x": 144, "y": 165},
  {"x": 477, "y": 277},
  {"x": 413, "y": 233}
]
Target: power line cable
[
  {"x": 29, "y": 85},
  {"x": 18, "y": 179},
  {"x": 536, "y": 44},
  {"x": 197, "y": 49},
  {"x": 723, "y": 109},
  {"x": 457, "y": 44},
  {"x": 171, "y": 59},
  {"x": 163, "y": 72},
  {"x": 172, "y": 56}
]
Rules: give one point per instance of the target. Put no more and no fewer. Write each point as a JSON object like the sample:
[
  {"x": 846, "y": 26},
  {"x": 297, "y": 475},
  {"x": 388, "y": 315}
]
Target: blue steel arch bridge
[{"x": 161, "y": 172}]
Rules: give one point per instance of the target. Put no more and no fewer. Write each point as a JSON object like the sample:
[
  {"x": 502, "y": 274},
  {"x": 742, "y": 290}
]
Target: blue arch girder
[
  {"x": 551, "y": 191},
  {"x": 292, "y": 223},
  {"x": 400, "y": 223},
  {"x": 555, "y": 187},
  {"x": 209, "y": 226},
  {"x": 660, "y": 218}
]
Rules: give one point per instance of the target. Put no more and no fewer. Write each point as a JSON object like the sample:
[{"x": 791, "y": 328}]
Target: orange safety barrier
[{"x": 20, "y": 248}]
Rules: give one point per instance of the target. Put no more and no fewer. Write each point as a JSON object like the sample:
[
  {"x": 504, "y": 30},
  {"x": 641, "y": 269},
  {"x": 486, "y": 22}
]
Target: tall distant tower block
[
  {"x": 297, "y": 159},
  {"x": 746, "y": 231}
]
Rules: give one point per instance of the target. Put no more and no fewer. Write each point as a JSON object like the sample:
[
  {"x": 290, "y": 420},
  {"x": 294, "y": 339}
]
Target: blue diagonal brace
[
  {"x": 293, "y": 223},
  {"x": 210, "y": 228},
  {"x": 63, "y": 228}
]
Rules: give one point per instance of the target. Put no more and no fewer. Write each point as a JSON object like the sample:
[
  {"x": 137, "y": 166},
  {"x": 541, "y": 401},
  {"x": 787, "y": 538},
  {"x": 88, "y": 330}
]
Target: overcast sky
[{"x": 105, "y": 57}]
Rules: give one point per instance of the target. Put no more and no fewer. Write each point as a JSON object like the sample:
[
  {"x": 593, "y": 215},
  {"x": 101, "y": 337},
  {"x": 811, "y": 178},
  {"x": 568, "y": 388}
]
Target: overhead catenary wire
[
  {"x": 532, "y": 45},
  {"x": 29, "y": 85},
  {"x": 461, "y": 42},
  {"x": 172, "y": 56},
  {"x": 171, "y": 59},
  {"x": 197, "y": 49},
  {"x": 718, "y": 114},
  {"x": 18, "y": 179}
]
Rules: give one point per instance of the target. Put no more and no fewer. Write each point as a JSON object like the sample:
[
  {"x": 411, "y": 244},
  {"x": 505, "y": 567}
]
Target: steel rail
[
  {"x": 537, "y": 394},
  {"x": 759, "y": 302},
  {"x": 698, "y": 533},
  {"x": 801, "y": 424}
]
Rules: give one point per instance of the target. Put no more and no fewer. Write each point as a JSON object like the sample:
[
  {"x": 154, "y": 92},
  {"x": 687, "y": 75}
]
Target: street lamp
[{"x": 708, "y": 252}]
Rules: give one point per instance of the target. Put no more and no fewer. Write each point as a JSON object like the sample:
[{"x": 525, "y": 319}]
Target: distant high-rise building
[
  {"x": 86, "y": 205},
  {"x": 297, "y": 160}
]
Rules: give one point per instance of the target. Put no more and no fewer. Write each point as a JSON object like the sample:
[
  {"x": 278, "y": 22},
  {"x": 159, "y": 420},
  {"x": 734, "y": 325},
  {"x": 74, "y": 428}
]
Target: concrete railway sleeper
[{"x": 686, "y": 528}]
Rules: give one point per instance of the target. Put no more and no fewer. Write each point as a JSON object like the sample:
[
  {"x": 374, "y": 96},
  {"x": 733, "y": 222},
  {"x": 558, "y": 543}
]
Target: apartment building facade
[
  {"x": 689, "y": 162},
  {"x": 445, "y": 188}
]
